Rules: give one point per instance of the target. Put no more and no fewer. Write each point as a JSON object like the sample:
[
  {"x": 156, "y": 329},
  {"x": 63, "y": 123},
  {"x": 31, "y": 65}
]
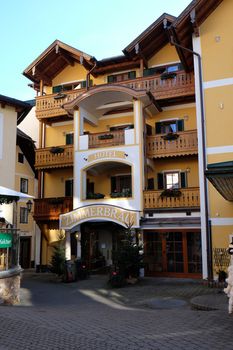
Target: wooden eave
[
  {"x": 151, "y": 40},
  {"x": 53, "y": 60},
  {"x": 184, "y": 27},
  {"x": 115, "y": 64}
]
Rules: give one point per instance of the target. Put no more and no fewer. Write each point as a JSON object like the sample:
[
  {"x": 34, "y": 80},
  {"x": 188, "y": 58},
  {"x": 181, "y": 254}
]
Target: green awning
[{"x": 221, "y": 177}]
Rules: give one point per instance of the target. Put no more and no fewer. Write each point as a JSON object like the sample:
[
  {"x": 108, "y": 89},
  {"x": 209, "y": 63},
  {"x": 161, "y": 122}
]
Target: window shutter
[
  {"x": 183, "y": 180},
  {"x": 158, "y": 128},
  {"x": 180, "y": 125},
  {"x": 69, "y": 139},
  {"x": 57, "y": 89},
  {"x": 83, "y": 84},
  {"x": 69, "y": 188},
  {"x": 151, "y": 184},
  {"x": 91, "y": 82},
  {"x": 110, "y": 79},
  {"x": 132, "y": 75},
  {"x": 160, "y": 181},
  {"x": 113, "y": 183}
]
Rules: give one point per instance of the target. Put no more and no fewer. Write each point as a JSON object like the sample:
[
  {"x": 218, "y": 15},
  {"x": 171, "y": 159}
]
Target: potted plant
[
  {"x": 56, "y": 150},
  {"x": 170, "y": 136},
  {"x": 105, "y": 137},
  {"x": 171, "y": 192}
]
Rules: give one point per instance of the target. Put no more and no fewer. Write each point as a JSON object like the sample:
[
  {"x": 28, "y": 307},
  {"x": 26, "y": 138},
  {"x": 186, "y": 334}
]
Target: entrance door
[
  {"x": 173, "y": 253},
  {"x": 25, "y": 252}
]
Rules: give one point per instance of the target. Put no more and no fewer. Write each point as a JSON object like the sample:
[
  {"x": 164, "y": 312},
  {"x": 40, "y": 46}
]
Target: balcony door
[{"x": 173, "y": 253}]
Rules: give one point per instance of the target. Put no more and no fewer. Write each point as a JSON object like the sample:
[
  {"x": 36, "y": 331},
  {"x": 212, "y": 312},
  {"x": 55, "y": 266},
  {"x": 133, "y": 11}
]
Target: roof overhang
[{"x": 221, "y": 177}]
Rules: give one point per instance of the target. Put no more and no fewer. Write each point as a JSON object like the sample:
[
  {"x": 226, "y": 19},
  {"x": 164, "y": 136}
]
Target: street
[{"x": 89, "y": 315}]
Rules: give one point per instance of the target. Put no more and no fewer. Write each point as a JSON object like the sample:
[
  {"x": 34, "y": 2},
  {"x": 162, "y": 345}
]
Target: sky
[{"x": 101, "y": 28}]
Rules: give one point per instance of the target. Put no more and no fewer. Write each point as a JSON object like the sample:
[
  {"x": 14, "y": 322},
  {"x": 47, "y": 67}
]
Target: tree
[{"x": 58, "y": 258}]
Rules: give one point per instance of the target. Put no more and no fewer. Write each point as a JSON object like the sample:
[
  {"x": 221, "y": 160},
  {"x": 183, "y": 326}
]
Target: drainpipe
[
  {"x": 208, "y": 231},
  {"x": 88, "y": 75}
]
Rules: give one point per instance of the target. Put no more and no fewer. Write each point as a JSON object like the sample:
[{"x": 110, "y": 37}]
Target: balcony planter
[
  {"x": 126, "y": 192},
  {"x": 165, "y": 76},
  {"x": 105, "y": 137},
  {"x": 95, "y": 196},
  {"x": 171, "y": 193},
  {"x": 56, "y": 150},
  {"x": 170, "y": 136},
  {"x": 59, "y": 96}
]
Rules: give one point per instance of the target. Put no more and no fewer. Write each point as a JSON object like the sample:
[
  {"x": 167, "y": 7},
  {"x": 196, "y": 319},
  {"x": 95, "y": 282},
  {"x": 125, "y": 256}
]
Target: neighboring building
[
  {"x": 26, "y": 182},
  {"x": 122, "y": 141}
]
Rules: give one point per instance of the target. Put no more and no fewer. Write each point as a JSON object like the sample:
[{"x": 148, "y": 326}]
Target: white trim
[
  {"x": 25, "y": 176},
  {"x": 183, "y": 106},
  {"x": 173, "y": 215},
  {"x": 217, "y": 83},
  {"x": 221, "y": 221},
  {"x": 164, "y": 64},
  {"x": 60, "y": 124},
  {"x": 168, "y": 119},
  {"x": 118, "y": 115},
  {"x": 219, "y": 149},
  {"x": 161, "y": 227},
  {"x": 197, "y": 48},
  {"x": 1, "y": 134}
]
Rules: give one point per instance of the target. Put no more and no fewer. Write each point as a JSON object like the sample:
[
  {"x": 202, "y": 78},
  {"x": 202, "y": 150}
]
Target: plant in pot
[
  {"x": 171, "y": 192},
  {"x": 170, "y": 136}
]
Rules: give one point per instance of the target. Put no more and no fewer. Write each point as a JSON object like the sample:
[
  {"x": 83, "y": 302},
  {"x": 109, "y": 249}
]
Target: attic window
[
  {"x": 72, "y": 86},
  {"x": 20, "y": 158},
  {"x": 121, "y": 77}
]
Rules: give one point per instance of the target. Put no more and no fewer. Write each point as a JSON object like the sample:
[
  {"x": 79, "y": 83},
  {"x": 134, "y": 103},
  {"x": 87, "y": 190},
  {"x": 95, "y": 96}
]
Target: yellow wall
[
  {"x": 166, "y": 55},
  {"x": 55, "y": 182},
  {"x": 180, "y": 164},
  {"x": 188, "y": 114},
  {"x": 219, "y": 121},
  {"x": 105, "y": 124},
  {"x": 69, "y": 74},
  {"x": 56, "y": 135},
  {"x": 216, "y": 43}
]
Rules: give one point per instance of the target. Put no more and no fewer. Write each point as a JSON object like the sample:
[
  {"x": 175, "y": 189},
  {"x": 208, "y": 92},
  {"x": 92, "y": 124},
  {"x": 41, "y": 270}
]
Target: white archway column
[{"x": 68, "y": 246}]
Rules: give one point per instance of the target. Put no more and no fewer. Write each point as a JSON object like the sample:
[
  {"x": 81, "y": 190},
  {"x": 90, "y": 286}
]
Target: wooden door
[{"x": 25, "y": 252}]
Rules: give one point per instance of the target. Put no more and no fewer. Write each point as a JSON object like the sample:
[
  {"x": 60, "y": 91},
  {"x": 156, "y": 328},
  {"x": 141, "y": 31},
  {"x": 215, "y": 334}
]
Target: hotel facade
[{"x": 126, "y": 141}]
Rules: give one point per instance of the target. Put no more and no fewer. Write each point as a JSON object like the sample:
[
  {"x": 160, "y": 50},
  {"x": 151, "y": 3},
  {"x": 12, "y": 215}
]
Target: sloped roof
[
  {"x": 22, "y": 108},
  {"x": 53, "y": 60},
  {"x": 27, "y": 146}
]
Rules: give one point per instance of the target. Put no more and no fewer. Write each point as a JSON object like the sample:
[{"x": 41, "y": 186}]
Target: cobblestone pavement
[{"x": 88, "y": 315}]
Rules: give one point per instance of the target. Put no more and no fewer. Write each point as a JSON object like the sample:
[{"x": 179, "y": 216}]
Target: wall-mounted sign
[
  {"x": 102, "y": 212},
  {"x": 5, "y": 240},
  {"x": 106, "y": 154}
]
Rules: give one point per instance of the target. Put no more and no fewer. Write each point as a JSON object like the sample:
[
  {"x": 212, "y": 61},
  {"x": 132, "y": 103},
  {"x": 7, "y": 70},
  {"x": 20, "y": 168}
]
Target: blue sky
[{"x": 102, "y": 28}]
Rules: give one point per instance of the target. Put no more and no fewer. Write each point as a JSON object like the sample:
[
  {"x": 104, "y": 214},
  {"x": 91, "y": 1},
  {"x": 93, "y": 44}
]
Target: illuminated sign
[
  {"x": 106, "y": 154},
  {"x": 119, "y": 215}
]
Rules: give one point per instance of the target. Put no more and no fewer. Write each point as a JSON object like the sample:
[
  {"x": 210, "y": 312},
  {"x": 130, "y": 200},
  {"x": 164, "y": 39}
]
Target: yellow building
[{"x": 126, "y": 140}]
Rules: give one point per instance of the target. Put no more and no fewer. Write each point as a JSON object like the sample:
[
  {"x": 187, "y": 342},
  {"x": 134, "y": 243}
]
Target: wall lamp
[{"x": 29, "y": 205}]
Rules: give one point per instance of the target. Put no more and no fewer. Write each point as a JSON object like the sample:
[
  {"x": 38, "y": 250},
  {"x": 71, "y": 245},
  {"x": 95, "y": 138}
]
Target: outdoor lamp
[
  {"x": 29, "y": 205},
  {"x": 77, "y": 235}
]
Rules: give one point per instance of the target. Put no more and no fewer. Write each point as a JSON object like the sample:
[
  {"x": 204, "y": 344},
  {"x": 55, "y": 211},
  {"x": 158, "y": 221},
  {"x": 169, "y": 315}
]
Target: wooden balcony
[
  {"x": 186, "y": 143},
  {"x": 189, "y": 198},
  {"x": 50, "y": 106},
  {"x": 181, "y": 85},
  {"x": 54, "y": 157},
  {"x": 50, "y": 208},
  {"x": 106, "y": 139}
]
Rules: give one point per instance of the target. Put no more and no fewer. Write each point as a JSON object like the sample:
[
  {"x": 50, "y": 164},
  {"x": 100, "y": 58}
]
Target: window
[
  {"x": 72, "y": 86},
  {"x": 24, "y": 185},
  {"x": 172, "y": 180},
  {"x": 23, "y": 215},
  {"x": 121, "y": 127},
  {"x": 121, "y": 77},
  {"x": 121, "y": 184},
  {"x": 20, "y": 157},
  {"x": 170, "y": 126},
  {"x": 69, "y": 188},
  {"x": 70, "y": 139},
  {"x": 162, "y": 69}
]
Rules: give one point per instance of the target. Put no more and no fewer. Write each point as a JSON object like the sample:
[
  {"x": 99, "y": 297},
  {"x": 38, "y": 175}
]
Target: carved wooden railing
[
  {"x": 189, "y": 198},
  {"x": 185, "y": 144},
  {"x": 51, "y": 208},
  {"x": 54, "y": 157},
  {"x": 181, "y": 85},
  {"x": 106, "y": 139},
  {"x": 51, "y": 105}
]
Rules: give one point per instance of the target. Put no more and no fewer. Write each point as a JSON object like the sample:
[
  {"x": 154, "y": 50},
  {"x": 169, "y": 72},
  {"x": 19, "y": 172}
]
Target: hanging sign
[{"x": 5, "y": 240}]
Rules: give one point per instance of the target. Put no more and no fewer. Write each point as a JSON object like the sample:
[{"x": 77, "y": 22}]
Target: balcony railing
[
  {"x": 51, "y": 208},
  {"x": 106, "y": 139},
  {"x": 159, "y": 146},
  {"x": 189, "y": 198},
  {"x": 54, "y": 157},
  {"x": 182, "y": 84},
  {"x": 51, "y": 105}
]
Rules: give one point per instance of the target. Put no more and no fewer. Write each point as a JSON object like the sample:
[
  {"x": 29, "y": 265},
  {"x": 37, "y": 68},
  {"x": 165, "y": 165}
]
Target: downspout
[
  {"x": 208, "y": 231},
  {"x": 88, "y": 75}
]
